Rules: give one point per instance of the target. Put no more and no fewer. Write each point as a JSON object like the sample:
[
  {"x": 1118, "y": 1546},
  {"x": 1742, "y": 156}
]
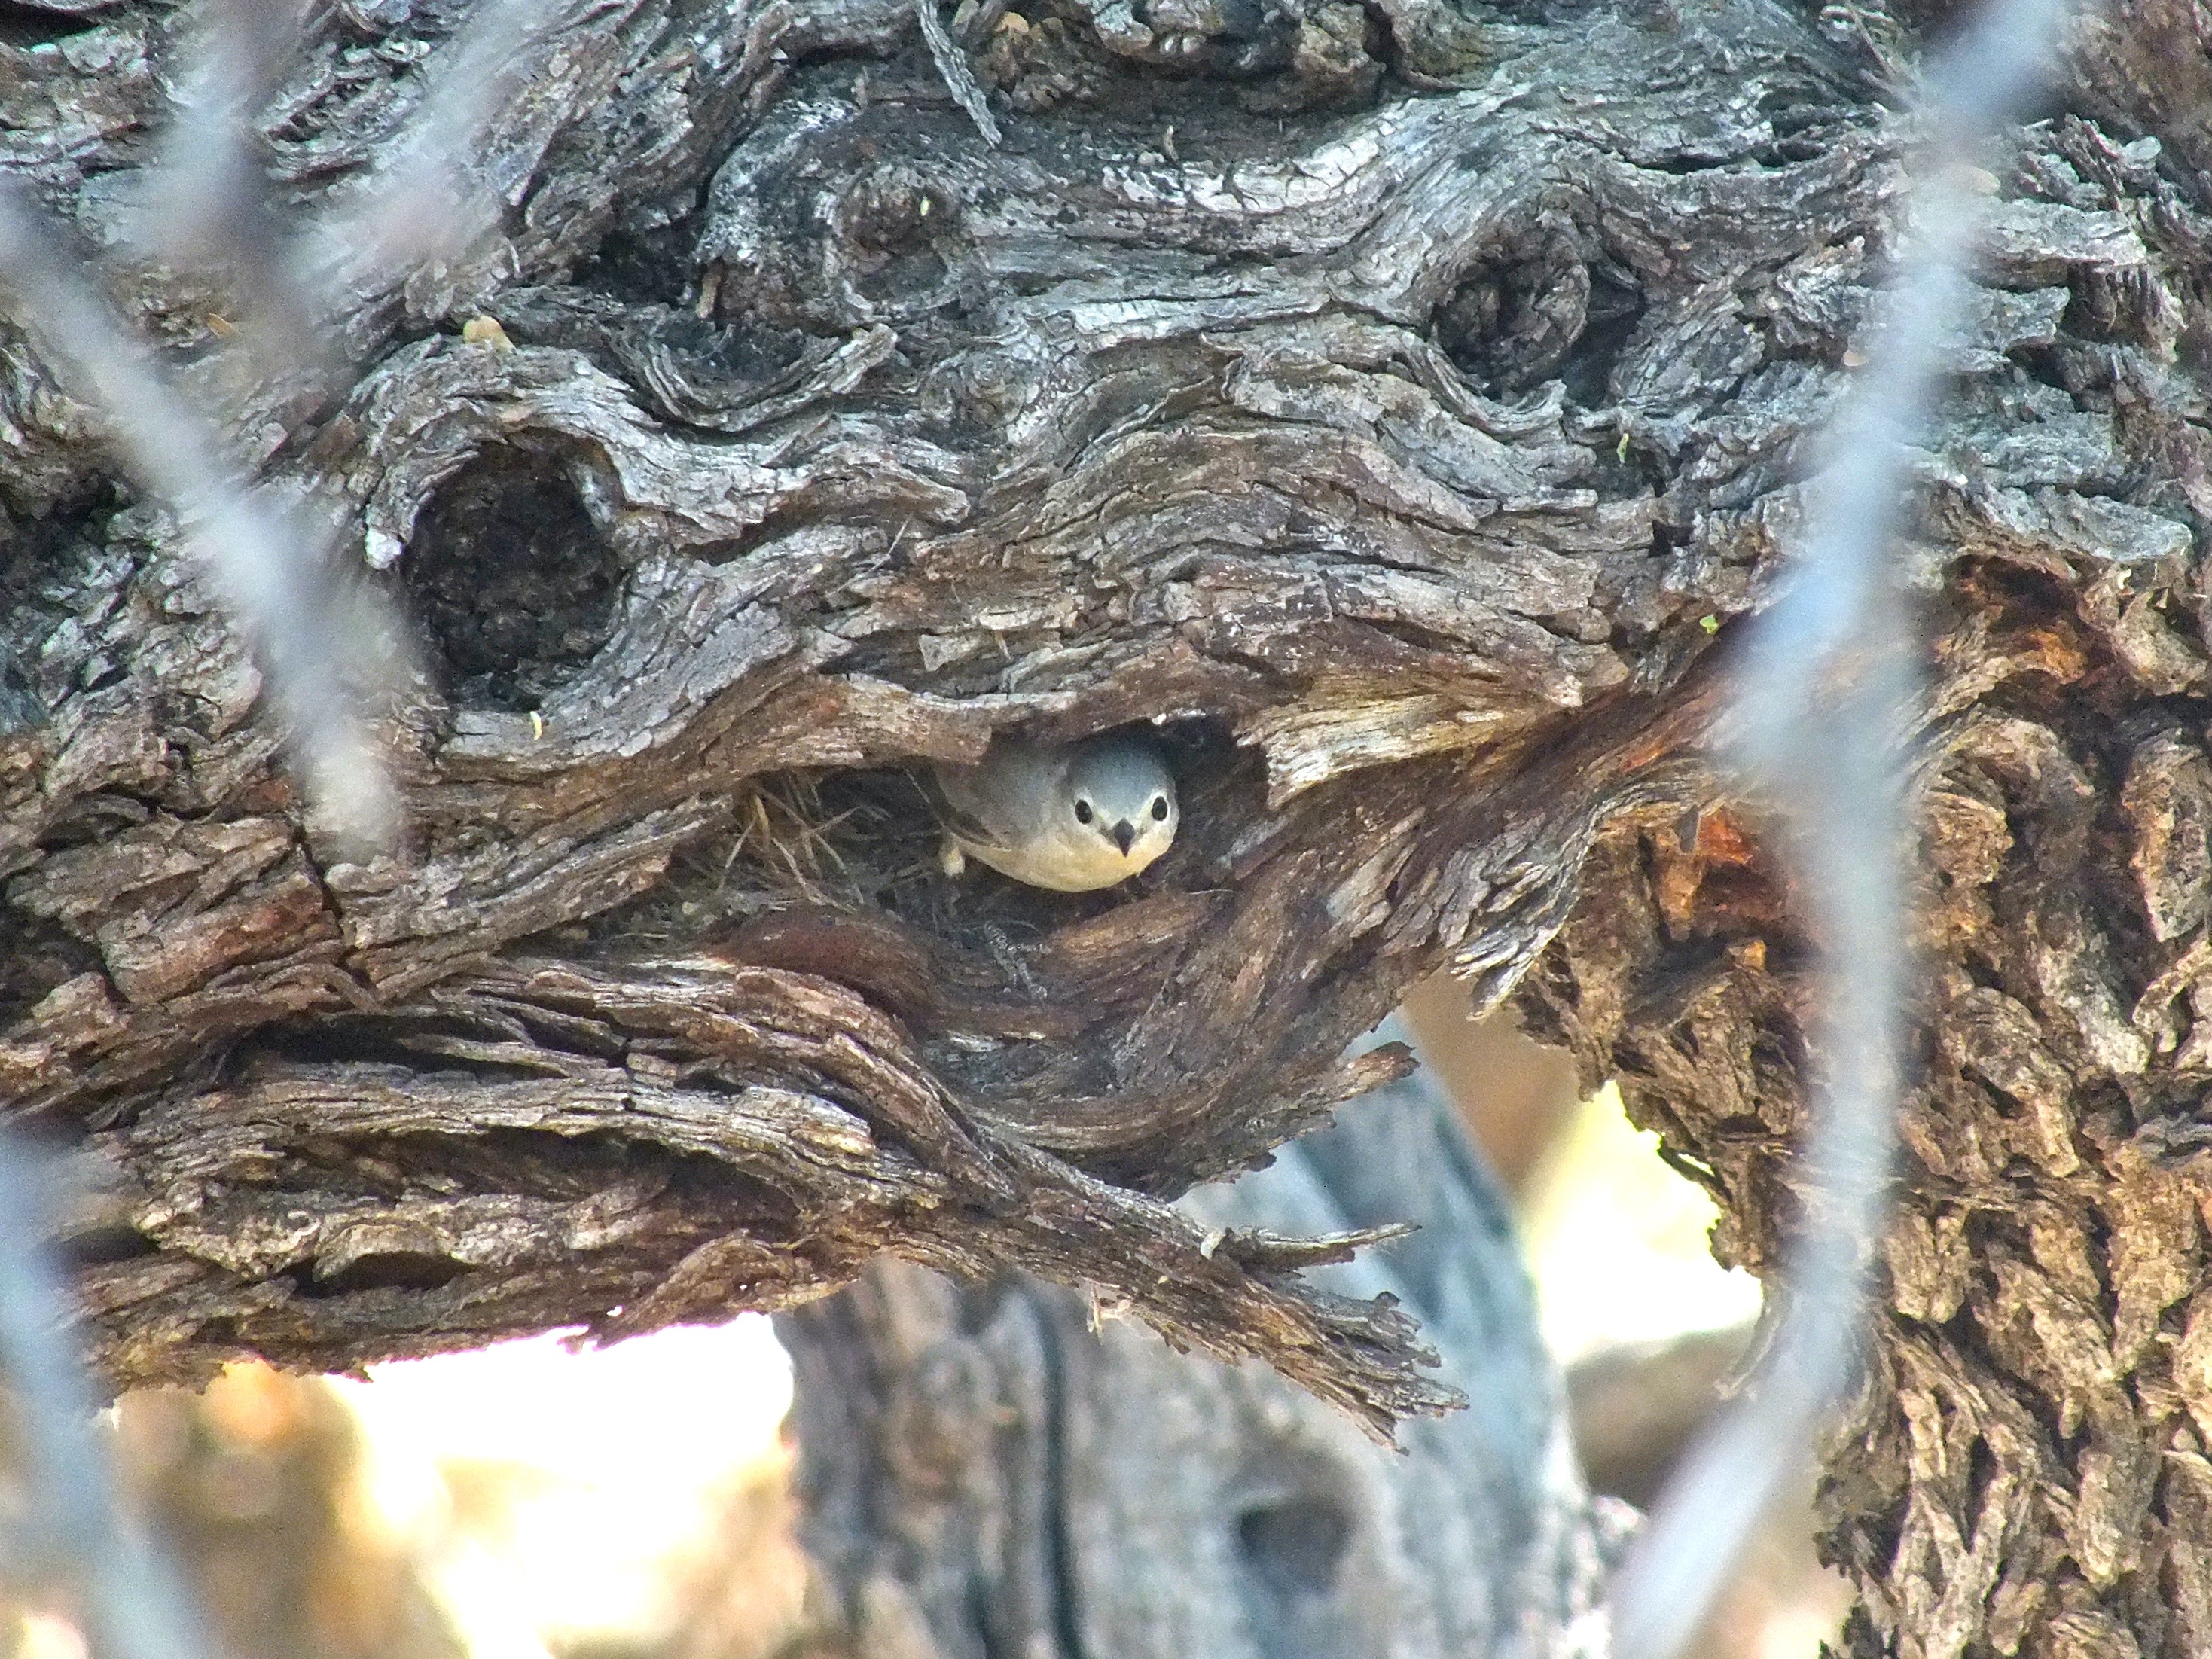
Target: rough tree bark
[
  {"x": 1396, "y": 402},
  {"x": 996, "y": 1469}
]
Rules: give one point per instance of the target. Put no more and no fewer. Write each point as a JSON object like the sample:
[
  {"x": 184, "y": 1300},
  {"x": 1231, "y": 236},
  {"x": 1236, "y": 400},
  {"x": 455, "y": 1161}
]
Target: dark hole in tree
[
  {"x": 507, "y": 575},
  {"x": 901, "y": 233},
  {"x": 645, "y": 266},
  {"x": 26, "y": 27},
  {"x": 41, "y": 955},
  {"x": 406, "y": 1270},
  {"x": 1518, "y": 320},
  {"x": 1614, "y": 308},
  {"x": 1294, "y": 1547},
  {"x": 103, "y": 1245}
]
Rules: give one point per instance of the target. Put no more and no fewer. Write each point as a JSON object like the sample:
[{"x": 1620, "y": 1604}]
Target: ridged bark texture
[{"x": 1395, "y": 403}]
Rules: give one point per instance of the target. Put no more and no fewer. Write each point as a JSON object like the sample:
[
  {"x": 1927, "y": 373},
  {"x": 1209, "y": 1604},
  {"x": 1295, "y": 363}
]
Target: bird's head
[{"x": 1119, "y": 791}]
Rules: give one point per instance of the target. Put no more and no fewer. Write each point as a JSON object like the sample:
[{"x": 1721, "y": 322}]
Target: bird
[{"x": 1072, "y": 817}]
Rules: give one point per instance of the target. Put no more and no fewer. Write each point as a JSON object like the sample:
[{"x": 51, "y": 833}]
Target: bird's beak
[{"x": 1125, "y": 837}]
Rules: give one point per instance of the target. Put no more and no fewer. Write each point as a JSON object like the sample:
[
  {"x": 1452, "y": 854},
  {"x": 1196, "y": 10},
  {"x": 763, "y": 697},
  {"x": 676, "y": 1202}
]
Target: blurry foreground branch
[
  {"x": 1826, "y": 698},
  {"x": 68, "y": 1537}
]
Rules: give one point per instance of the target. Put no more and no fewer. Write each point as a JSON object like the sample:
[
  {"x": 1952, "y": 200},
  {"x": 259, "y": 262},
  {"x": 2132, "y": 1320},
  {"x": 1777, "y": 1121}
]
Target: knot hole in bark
[
  {"x": 1293, "y": 1552},
  {"x": 900, "y": 239},
  {"x": 1331, "y": 53},
  {"x": 1282, "y": 56},
  {"x": 1538, "y": 310},
  {"x": 509, "y": 580}
]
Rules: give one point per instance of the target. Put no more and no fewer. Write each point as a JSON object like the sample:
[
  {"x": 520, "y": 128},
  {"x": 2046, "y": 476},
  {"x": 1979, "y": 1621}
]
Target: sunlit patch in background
[
  {"x": 1650, "y": 1329},
  {"x": 560, "y": 1504},
  {"x": 522, "y": 1502},
  {"x": 1617, "y": 1242},
  {"x": 48, "y": 1636}
]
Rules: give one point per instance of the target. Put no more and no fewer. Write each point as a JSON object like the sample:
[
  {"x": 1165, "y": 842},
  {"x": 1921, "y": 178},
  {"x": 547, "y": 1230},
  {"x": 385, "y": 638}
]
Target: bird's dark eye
[
  {"x": 1083, "y": 812},
  {"x": 1159, "y": 809}
]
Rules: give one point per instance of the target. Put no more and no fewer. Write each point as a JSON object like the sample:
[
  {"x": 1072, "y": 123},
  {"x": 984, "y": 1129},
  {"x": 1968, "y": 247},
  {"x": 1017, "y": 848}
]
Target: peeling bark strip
[
  {"x": 720, "y": 1195},
  {"x": 1392, "y": 401},
  {"x": 993, "y": 1468}
]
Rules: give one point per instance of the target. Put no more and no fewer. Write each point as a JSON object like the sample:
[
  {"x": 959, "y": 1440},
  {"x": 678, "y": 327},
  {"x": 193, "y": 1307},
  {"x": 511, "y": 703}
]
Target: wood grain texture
[
  {"x": 1004, "y": 1468},
  {"x": 1394, "y": 404}
]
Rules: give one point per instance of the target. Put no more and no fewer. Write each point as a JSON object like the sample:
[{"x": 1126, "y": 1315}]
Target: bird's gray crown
[{"x": 1121, "y": 778}]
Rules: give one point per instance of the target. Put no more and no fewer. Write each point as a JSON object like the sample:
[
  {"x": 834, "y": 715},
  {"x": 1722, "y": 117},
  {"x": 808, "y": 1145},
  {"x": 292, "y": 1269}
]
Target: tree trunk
[
  {"x": 1004, "y": 1468},
  {"x": 1396, "y": 404}
]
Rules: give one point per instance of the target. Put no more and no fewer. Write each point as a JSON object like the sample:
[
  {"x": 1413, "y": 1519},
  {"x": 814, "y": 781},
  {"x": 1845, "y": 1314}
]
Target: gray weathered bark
[
  {"x": 1001, "y": 1469},
  {"x": 1394, "y": 402}
]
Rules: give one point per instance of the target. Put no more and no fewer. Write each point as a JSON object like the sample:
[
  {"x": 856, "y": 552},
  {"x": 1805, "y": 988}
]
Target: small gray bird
[{"x": 1070, "y": 816}]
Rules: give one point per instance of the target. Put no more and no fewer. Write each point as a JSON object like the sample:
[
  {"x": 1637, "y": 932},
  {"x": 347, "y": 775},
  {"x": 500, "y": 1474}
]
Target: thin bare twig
[
  {"x": 205, "y": 197},
  {"x": 429, "y": 202},
  {"x": 320, "y": 642},
  {"x": 1825, "y": 703},
  {"x": 124, "y": 1594},
  {"x": 268, "y": 568}
]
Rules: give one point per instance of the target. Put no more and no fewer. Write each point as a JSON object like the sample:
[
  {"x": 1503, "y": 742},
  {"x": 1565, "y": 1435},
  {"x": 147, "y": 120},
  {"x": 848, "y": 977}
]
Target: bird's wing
[{"x": 943, "y": 795}]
